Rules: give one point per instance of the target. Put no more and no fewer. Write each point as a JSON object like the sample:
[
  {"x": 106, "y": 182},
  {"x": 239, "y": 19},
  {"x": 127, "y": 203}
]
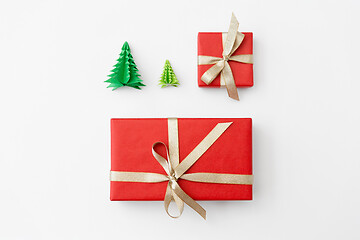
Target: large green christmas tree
[
  {"x": 168, "y": 77},
  {"x": 125, "y": 72}
]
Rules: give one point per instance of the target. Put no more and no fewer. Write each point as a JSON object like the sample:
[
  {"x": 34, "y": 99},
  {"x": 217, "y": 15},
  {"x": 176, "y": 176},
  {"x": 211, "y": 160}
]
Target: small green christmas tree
[
  {"x": 168, "y": 77},
  {"x": 125, "y": 72}
]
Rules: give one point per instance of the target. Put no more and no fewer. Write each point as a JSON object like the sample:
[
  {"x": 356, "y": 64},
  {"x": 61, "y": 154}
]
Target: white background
[{"x": 56, "y": 110}]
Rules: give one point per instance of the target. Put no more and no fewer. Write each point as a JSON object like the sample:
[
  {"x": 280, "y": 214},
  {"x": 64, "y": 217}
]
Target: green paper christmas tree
[
  {"x": 168, "y": 77},
  {"x": 125, "y": 72}
]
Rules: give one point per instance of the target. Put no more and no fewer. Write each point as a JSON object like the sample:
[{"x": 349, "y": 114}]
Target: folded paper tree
[
  {"x": 125, "y": 72},
  {"x": 183, "y": 159},
  {"x": 168, "y": 77}
]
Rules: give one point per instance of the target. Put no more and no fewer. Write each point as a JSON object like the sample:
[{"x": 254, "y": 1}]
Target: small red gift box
[
  {"x": 131, "y": 151},
  {"x": 211, "y": 44}
]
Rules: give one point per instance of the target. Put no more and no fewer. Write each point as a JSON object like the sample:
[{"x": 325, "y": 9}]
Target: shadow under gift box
[
  {"x": 131, "y": 151},
  {"x": 211, "y": 44}
]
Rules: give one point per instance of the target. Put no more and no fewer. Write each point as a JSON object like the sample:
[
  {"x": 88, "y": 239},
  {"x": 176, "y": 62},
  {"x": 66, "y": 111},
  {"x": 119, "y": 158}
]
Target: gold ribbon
[
  {"x": 231, "y": 41},
  {"x": 176, "y": 170}
]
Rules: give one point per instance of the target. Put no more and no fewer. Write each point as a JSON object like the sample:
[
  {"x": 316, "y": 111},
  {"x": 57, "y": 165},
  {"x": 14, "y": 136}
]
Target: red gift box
[
  {"x": 131, "y": 151},
  {"x": 211, "y": 44}
]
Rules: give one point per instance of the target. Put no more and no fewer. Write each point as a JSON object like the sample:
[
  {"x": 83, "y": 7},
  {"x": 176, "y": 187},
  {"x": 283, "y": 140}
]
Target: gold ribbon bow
[
  {"x": 231, "y": 41},
  {"x": 176, "y": 170}
]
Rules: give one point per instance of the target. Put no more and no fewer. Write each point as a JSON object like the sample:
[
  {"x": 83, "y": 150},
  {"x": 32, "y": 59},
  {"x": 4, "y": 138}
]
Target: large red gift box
[
  {"x": 131, "y": 151},
  {"x": 211, "y": 44}
]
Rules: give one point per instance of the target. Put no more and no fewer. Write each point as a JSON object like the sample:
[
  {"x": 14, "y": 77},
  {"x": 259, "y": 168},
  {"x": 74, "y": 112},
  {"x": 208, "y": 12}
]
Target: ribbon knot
[
  {"x": 226, "y": 58},
  {"x": 172, "y": 180},
  {"x": 231, "y": 41}
]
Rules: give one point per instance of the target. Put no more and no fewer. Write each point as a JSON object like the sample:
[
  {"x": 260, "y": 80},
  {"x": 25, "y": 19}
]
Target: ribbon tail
[
  {"x": 231, "y": 36},
  {"x": 211, "y": 74},
  {"x": 228, "y": 77},
  {"x": 189, "y": 201}
]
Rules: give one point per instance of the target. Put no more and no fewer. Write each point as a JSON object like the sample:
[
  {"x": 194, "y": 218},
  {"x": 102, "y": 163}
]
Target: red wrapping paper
[
  {"x": 210, "y": 44},
  {"x": 131, "y": 144}
]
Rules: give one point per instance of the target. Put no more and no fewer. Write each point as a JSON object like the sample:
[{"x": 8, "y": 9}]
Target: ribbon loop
[
  {"x": 163, "y": 162},
  {"x": 231, "y": 41},
  {"x": 211, "y": 74},
  {"x": 169, "y": 197},
  {"x": 174, "y": 191}
]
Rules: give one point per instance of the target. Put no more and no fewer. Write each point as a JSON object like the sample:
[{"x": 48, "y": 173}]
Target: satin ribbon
[
  {"x": 176, "y": 170},
  {"x": 231, "y": 41}
]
